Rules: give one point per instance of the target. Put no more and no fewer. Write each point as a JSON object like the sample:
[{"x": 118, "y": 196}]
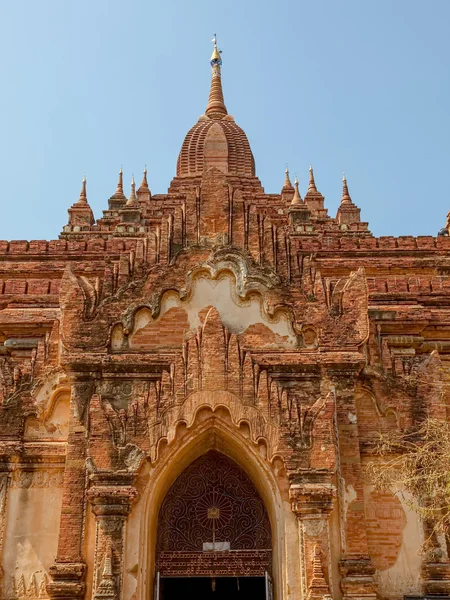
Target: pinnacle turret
[
  {"x": 346, "y": 199},
  {"x": 118, "y": 199},
  {"x": 348, "y": 213},
  {"x": 119, "y": 189},
  {"x": 143, "y": 192},
  {"x": 144, "y": 182},
  {"x": 312, "y": 183},
  {"x": 81, "y": 216},
  {"x": 287, "y": 182},
  {"x": 83, "y": 196},
  {"x": 297, "y": 199},
  {"x": 132, "y": 201},
  {"x": 314, "y": 199}
]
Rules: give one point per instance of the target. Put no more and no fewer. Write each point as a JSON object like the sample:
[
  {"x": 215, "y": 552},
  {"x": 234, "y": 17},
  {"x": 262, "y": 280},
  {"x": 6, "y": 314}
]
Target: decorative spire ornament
[
  {"x": 83, "y": 196},
  {"x": 144, "y": 184},
  {"x": 119, "y": 189},
  {"x": 80, "y": 213},
  {"x": 287, "y": 181},
  {"x": 107, "y": 587},
  {"x": 312, "y": 183},
  {"x": 143, "y": 192},
  {"x": 346, "y": 199},
  {"x": 118, "y": 199},
  {"x": 132, "y": 201},
  {"x": 216, "y": 108},
  {"x": 318, "y": 587},
  {"x": 297, "y": 199},
  {"x": 314, "y": 199},
  {"x": 348, "y": 213}
]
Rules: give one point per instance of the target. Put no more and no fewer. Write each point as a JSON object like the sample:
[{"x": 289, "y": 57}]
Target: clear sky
[{"x": 361, "y": 86}]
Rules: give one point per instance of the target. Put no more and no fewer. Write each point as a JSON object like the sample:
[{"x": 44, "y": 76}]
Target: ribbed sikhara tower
[
  {"x": 216, "y": 140},
  {"x": 192, "y": 386},
  {"x": 218, "y": 193}
]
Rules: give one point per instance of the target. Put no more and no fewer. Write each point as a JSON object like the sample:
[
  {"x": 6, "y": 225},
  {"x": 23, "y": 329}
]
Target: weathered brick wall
[{"x": 216, "y": 316}]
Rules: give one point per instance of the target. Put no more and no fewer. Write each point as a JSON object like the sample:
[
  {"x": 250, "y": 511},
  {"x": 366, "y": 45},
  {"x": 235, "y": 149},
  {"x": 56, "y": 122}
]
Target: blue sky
[{"x": 361, "y": 86}]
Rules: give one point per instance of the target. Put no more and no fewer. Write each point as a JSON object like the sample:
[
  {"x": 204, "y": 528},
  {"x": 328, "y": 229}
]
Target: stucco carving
[
  {"x": 19, "y": 588},
  {"x": 40, "y": 478}
]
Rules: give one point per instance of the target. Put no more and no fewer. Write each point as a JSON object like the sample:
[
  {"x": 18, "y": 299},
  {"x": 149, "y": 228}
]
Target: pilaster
[
  {"x": 311, "y": 496},
  {"x": 356, "y": 567},
  {"x": 68, "y": 571},
  {"x": 4, "y": 485},
  {"x": 111, "y": 498}
]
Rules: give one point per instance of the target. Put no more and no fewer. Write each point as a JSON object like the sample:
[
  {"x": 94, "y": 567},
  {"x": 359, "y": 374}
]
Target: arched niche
[
  {"x": 214, "y": 434},
  {"x": 213, "y": 522},
  {"x": 53, "y": 423}
]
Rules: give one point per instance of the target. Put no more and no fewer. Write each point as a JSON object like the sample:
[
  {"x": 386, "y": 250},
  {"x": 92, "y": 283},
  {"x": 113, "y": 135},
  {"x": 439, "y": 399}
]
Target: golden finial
[{"x": 215, "y": 56}]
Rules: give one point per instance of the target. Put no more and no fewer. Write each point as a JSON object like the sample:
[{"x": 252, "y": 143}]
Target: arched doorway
[{"x": 214, "y": 537}]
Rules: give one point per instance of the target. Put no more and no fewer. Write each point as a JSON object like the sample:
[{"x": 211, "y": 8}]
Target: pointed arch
[{"x": 213, "y": 432}]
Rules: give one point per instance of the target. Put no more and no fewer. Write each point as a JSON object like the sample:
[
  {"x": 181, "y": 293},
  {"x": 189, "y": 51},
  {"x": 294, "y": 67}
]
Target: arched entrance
[{"x": 214, "y": 537}]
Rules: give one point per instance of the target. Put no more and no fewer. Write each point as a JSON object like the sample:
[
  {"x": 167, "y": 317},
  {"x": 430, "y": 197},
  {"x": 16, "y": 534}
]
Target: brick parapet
[{"x": 95, "y": 247}]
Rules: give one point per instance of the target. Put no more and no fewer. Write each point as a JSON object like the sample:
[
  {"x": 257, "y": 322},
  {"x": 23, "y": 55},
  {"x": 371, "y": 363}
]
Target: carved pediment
[
  {"x": 182, "y": 316},
  {"x": 248, "y": 298}
]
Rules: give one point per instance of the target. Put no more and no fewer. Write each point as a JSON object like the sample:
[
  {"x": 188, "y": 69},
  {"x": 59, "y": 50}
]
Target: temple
[{"x": 192, "y": 385}]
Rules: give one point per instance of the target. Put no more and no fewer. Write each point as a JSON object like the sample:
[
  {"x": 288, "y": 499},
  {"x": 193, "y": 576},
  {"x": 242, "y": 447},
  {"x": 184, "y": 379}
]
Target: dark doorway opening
[{"x": 205, "y": 588}]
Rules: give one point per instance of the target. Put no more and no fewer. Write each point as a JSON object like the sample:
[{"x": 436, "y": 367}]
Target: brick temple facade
[{"x": 192, "y": 385}]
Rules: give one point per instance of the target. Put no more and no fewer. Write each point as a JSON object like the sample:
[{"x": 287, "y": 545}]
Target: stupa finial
[
  {"x": 312, "y": 183},
  {"x": 346, "y": 199},
  {"x": 144, "y": 183},
  {"x": 119, "y": 189},
  {"x": 216, "y": 108},
  {"x": 287, "y": 181},
  {"x": 297, "y": 199},
  {"x": 132, "y": 201},
  {"x": 83, "y": 196}
]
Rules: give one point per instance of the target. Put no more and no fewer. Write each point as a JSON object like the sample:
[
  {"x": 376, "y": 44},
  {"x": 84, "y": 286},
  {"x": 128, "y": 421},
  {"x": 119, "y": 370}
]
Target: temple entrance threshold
[
  {"x": 206, "y": 588},
  {"x": 214, "y": 537}
]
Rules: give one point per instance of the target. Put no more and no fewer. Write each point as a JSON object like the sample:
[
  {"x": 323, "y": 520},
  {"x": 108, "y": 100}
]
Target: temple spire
[
  {"x": 346, "y": 199},
  {"x": 348, "y": 214},
  {"x": 132, "y": 201},
  {"x": 143, "y": 193},
  {"x": 144, "y": 184},
  {"x": 312, "y": 183},
  {"x": 83, "y": 196},
  {"x": 287, "y": 181},
  {"x": 297, "y": 199},
  {"x": 216, "y": 108},
  {"x": 81, "y": 216},
  {"x": 119, "y": 189}
]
